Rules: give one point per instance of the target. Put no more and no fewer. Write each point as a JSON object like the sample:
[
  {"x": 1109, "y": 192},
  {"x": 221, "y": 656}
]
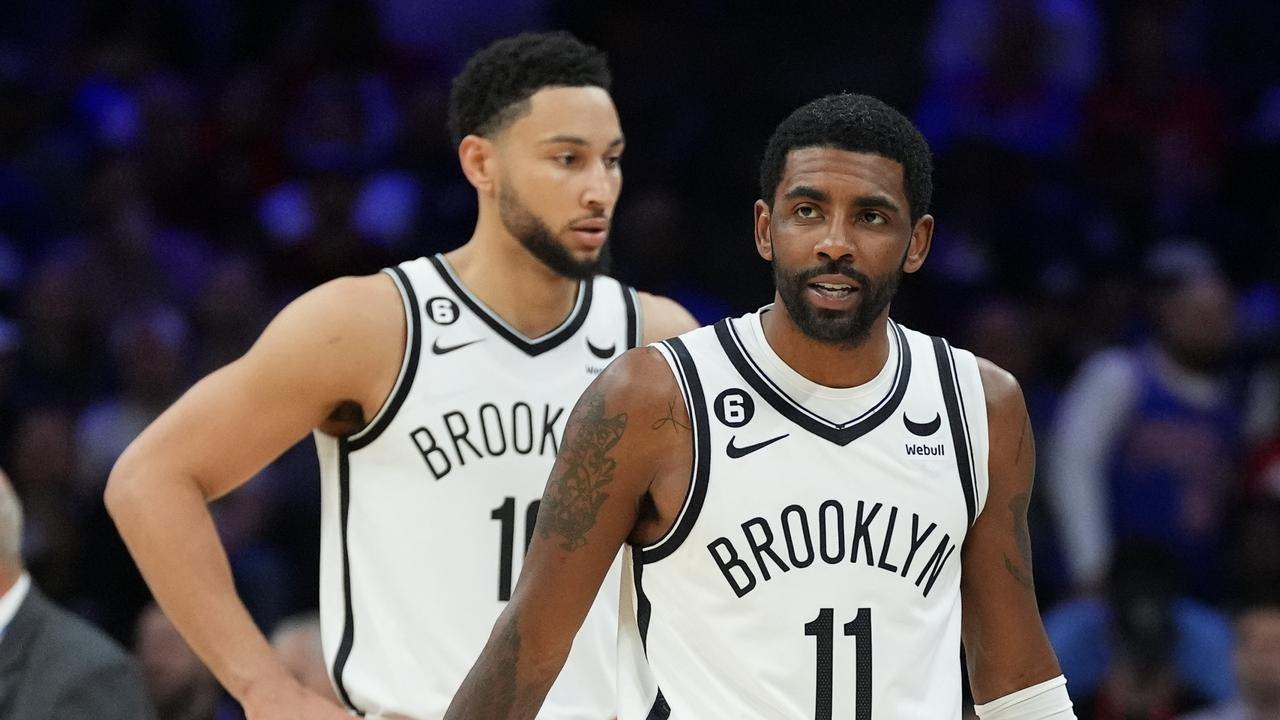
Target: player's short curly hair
[
  {"x": 497, "y": 82},
  {"x": 857, "y": 123}
]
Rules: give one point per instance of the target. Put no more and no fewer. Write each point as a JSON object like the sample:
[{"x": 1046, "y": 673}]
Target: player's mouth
[
  {"x": 834, "y": 292},
  {"x": 591, "y": 233}
]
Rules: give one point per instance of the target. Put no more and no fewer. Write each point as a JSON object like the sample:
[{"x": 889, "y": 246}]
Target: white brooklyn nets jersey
[
  {"x": 814, "y": 571},
  {"x": 428, "y": 511}
]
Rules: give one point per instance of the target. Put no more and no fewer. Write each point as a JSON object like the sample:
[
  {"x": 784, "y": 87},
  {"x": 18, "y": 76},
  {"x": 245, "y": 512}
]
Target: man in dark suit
[{"x": 53, "y": 665}]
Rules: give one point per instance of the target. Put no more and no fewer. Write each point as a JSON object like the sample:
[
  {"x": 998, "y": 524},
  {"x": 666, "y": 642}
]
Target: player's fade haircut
[
  {"x": 495, "y": 86},
  {"x": 856, "y": 123}
]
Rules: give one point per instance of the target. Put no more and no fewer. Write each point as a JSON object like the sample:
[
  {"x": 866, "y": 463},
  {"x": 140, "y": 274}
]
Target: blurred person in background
[
  {"x": 1148, "y": 439},
  {"x": 177, "y": 683},
  {"x": 53, "y": 665},
  {"x": 1257, "y": 665},
  {"x": 297, "y": 640},
  {"x": 1142, "y": 650},
  {"x": 437, "y": 392}
]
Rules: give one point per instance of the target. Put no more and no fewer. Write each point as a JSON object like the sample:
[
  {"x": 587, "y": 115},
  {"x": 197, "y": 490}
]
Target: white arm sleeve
[
  {"x": 1044, "y": 701},
  {"x": 1089, "y": 421}
]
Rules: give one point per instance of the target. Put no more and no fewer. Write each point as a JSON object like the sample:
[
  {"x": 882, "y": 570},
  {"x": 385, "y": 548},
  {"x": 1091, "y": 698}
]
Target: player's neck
[
  {"x": 525, "y": 293},
  {"x": 834, "y": 366}
]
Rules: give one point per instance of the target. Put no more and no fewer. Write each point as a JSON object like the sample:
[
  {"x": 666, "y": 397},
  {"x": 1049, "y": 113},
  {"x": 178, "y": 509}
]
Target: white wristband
[{"x": 1043, "y": 701}]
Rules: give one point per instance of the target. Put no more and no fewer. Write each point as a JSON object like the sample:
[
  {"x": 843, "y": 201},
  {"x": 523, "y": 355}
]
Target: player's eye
[
  {"x": 613, "y": 161},
  {"x": 806, "y": 212},
  {"x": 871, "y": 217},
  {"x": 567, "y": 159}
]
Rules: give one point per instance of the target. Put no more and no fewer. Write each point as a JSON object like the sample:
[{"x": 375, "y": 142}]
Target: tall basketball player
[
  {"x": 819, "y": 502},
  {"x": 438, "y": 392}
]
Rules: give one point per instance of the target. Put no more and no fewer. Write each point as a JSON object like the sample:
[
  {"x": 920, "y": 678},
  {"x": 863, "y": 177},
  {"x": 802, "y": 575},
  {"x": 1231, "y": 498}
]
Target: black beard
[
  {"x": 834, "y": 327},
  {"x": 538, "y": 239}
]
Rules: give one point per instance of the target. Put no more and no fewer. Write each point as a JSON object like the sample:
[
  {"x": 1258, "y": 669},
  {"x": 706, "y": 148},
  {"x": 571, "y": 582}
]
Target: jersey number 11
[{"x": 823, "y": 628}]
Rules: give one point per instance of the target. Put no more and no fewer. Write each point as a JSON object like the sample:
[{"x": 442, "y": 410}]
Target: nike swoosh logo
[
  {"x": 438, "y": 349},
  {"x": 923, "y": 429},
  {"x": 735, "y": 451},
  {"x": 602, "y": 353}
]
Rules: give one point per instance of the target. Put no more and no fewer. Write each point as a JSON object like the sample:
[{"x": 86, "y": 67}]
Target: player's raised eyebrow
[
  {"x": 805, "y": 191},
  {"x": 576, "y": 140}
]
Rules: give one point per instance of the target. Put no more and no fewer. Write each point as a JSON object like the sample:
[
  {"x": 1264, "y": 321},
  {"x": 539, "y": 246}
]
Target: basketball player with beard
[
  {"x": 438, "y": 393},
  {"x": 806, "y": 493}
]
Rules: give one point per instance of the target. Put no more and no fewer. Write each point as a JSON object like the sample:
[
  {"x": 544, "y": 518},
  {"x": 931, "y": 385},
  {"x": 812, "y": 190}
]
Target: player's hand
[{"x": 289, "y": 701}]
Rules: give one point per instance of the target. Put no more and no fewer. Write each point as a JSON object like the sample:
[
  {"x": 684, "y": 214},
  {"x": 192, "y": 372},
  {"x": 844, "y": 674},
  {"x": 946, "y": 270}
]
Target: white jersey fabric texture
[
  {"x": 427, "y": 512},
  {"x": 814, "y": 570}
]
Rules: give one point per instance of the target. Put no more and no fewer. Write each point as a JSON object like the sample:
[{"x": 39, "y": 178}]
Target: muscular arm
[
  {"x": 618, "y": 446},
  {"x": 1004, "y": 639},
  {"x": 332, "y": 352},
  {"x": 663, "y": 318}
]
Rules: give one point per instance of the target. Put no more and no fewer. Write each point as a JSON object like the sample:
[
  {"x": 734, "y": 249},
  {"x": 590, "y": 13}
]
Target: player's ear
[
  {"x": 918, "y": 247},
  {"x": 764, "y": 237},
  {"x": 476, "y": 155}
]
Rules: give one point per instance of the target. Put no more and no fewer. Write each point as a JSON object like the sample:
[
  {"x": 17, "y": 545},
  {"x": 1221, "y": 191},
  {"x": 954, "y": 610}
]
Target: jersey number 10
[
  {"x": 823, "y": 628},
  {"x": 506, "y": 515}
]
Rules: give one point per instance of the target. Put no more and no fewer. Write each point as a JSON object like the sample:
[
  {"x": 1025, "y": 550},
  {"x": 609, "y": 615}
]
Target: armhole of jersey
[
  {"x": 408, "y": 366},
  {"x": 681, "y": 363},
  {"x": 957, "y": 418},
  {"x": 635, "y": 324}
]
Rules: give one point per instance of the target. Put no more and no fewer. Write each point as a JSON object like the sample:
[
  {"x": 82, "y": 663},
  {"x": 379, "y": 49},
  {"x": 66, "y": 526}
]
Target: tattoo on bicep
[
  {"x": 1020, "y": 568},
  {"x": 1022, "y": 436},
  {"x": 669, "y": 419},
  {"x": 573, "y": 496}
]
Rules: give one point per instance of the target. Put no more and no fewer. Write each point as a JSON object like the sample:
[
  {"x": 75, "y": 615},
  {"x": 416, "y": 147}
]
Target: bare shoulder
[
  {"x": 1012, "y": 454},
  {"x": 639, "y": 379},
  {"x": 1000, "y": 386},
  {"x": 341, "y": 343},
  {"x": 347, "y": 317},
  {"x": 663, "y": 318},
  {"x": 1006, "y": 408}
]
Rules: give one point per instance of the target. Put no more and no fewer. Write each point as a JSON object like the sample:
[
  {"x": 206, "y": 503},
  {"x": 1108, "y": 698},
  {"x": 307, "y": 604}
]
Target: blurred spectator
[
  {"x": 177, "y": 682},
  {"x": 149, "y": 355},
  {"x": 1257, "y": 664},
  {"x": 297, "y": 640},
  {"x": 54, "y": 666},
  {"x": 1148, "y": 440},
  {"x": 1009, "y": 72},
  {"x": 43, "y": 461},
  {"x": 1145, "y": 652},
  {"x": 230, "y": 312},
  {"x": 1155, "y": 131}
]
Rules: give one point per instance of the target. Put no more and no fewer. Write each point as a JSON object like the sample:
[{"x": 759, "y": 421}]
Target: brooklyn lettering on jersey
[
  {"x": 875, "y": 535},
  {"x": 488, "y": 431}
]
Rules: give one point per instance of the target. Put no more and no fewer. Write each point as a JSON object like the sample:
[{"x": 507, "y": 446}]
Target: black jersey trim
[
  {"x": 691, "y": 389},
  {"x": 838, "y": 433},
  {"x": 530, "y": 346},
  {"x": 968, "y": 433},
  {"x": 408, "y": 368},
  {"x": 644, "y": 608},
  {"x": 959, "y": 429},
  {"x": 348, "y": 619},
  {"x": 661, "y": 709},
  {"x": 632, "y": 304}
]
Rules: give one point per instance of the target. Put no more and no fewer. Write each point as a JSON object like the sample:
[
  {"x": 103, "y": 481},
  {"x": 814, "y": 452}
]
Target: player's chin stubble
[
  {"x": 849, "y": 329},
  {"x": 538, "y": 239}
]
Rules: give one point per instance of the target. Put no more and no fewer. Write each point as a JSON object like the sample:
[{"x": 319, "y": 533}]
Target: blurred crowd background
[{"x": 1108, "y": 207}]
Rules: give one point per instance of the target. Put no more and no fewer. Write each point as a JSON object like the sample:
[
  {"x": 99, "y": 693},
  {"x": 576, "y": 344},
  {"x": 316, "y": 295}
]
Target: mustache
[{"x": 834, "y": 267}]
